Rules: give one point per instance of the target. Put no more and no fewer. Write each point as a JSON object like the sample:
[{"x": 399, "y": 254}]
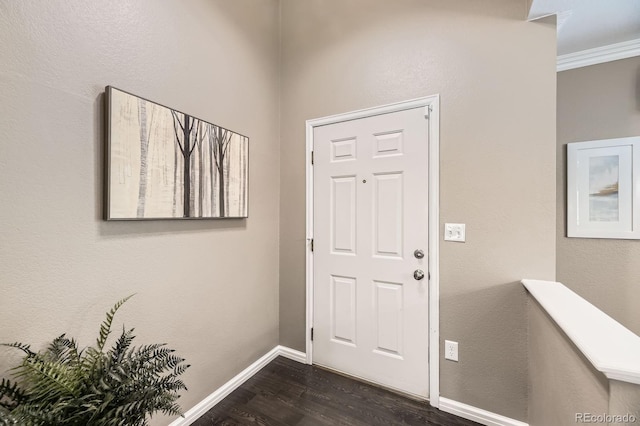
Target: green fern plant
[{"x": 121, "y": 385}]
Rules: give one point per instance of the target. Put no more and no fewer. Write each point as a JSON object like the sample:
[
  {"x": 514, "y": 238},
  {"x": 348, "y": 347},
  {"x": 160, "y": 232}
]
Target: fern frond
[
  {"x": 64, "y": 351},
  {"x": 24, "y": 348},
  {"x": 11, "y": 395},
  {"x": 56, "y": 348},
  {"x": 119, "y": 349},
  {"x": 53, "y": 379},
  {"x": 180, "y": 369},
  {"x": 31, "y": 414},
  {"x": 105, "y": 327},
  {"x": 6, "y": 419}
]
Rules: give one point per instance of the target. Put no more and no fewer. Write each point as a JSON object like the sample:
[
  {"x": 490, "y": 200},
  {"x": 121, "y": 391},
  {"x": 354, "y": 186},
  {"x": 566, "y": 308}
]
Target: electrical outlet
[{"x": 451, "y": 350}]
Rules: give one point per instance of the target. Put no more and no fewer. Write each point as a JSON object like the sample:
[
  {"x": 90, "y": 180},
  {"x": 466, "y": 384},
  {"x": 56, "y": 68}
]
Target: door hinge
[
  {"x": 429, "y": 276},
  {"x": 312, "y": 158},
  {"x": 312, "y": 244},
  {"x": 312, "y": 334},
  {"x": 427, "y": 112}
]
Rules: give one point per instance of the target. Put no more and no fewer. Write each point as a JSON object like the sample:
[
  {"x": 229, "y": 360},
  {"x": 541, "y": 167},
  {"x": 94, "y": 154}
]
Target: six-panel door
[{"x": 370, "y": 215}]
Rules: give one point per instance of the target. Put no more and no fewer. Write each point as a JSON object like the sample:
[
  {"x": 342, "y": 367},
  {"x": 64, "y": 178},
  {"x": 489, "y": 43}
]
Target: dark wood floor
[{"x": 286, "y": 392}]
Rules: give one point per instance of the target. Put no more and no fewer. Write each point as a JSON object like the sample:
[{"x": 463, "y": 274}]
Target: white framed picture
[{"x": 602, "y": 189}]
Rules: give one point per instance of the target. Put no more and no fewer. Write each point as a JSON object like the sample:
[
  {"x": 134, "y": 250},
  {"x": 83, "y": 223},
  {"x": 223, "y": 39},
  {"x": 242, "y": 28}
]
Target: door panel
[
  {"x": 343, "y": 214},
  {"x": 370, "y": 214},
  {"x": 343, "y": 309},
  {"x": 388, "y": 217},
  {"x": 388, "y": 308}
]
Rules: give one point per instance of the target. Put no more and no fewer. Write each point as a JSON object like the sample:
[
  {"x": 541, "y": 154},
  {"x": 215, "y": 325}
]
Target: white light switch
[{"x": 454, "y": 232}]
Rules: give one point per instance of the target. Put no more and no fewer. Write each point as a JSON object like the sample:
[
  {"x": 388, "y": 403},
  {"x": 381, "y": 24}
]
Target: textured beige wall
[
  {"x": 209, "y": 288},
  {"x": 624, "y": 400},
  {"x": 496, "y": 77},
  {"x": 598, "y": 102},
  {"x": 563, "y": 381}
]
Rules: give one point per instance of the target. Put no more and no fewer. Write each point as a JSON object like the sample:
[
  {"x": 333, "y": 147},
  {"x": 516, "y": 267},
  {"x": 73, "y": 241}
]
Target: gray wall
[
  {"x": 598, "y": 102},
  {"x": 563, "y": 381},
  {"x": 496, "y": 77},
  {"x": 624, "y": 399},
  {"x": 209, "y": 288}
]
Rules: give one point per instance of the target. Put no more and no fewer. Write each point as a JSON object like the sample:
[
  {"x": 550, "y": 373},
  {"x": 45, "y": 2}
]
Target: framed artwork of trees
[{"x": 165, "y": 164}]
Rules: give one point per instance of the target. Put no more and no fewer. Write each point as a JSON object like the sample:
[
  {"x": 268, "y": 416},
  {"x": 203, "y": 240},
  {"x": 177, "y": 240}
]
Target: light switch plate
[{"x": 454, "y": 232}]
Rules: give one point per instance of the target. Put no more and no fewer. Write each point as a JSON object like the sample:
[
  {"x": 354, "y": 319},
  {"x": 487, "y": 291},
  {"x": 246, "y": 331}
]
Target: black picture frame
[{"x": 161, "y": 163}]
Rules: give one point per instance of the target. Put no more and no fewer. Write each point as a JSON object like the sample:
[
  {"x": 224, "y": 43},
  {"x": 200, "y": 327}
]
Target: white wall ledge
[{"x": 613, "y": 349}]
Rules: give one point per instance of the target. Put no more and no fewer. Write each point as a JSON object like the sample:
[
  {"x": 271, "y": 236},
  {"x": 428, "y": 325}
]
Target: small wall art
[
  {"x": 165, "y": 164},
  {"x": 603, "y": 199}
]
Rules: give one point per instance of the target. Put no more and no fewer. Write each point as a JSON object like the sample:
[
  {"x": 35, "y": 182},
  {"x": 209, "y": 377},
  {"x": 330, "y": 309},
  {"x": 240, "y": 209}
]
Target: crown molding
[{"x": 599, "y": 55}]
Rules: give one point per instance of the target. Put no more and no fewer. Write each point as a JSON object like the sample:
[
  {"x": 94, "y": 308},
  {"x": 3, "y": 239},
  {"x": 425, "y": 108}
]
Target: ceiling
[{"x": 586, "y": 24}]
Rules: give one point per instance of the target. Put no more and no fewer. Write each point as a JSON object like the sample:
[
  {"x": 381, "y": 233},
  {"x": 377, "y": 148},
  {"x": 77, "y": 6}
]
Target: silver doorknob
[
  {"x": 418, "y": 274},
  {"x": 419, "y": 254}
]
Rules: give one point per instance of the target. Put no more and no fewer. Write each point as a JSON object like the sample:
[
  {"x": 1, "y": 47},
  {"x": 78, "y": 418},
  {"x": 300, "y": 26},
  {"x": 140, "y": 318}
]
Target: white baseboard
[
  {"x": 209, "y": 402},
  {"x": 477, "y": 414},
  {"x": 292, "y": 354},
  {"x": 453, "y": 407}
]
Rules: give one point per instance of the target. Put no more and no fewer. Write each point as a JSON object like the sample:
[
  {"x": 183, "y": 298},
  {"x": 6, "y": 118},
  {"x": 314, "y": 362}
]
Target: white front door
[{"x": 370, "y": 314}]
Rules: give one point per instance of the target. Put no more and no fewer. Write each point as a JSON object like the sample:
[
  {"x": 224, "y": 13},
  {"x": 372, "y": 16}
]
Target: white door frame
[{"x": 431, "y": 104}]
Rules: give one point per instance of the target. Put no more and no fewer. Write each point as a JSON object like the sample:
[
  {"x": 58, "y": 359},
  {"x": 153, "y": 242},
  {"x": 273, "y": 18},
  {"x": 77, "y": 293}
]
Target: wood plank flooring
[{"x": 286, "y": 392}]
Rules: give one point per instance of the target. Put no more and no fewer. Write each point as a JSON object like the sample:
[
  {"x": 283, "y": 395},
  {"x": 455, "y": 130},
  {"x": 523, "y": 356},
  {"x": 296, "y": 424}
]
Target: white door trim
[{"x": 432, "y": 107}]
